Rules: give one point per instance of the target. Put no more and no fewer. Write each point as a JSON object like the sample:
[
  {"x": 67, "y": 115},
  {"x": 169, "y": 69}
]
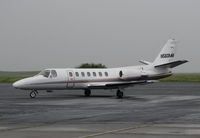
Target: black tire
[
  {"x": 33, "y": 94},
  {"x": 87, "y": 93},
  {"x": 119, "y": 94}
]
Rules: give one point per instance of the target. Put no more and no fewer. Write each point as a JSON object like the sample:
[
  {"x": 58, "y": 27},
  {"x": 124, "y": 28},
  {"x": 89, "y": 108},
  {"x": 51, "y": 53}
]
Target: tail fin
[
  {"x": 167, "y": 53},
  {"x": 166, "y": 56}
]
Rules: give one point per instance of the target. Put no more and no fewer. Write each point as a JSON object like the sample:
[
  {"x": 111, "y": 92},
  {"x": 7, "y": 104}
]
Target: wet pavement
[{"x": 155, "y": 110}]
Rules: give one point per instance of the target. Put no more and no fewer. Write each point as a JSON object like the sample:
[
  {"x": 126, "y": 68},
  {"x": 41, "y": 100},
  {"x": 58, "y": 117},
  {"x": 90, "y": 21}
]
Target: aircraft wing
[
  {"x": 108, "y": 85},
  {"x": 172, "y": 64}
]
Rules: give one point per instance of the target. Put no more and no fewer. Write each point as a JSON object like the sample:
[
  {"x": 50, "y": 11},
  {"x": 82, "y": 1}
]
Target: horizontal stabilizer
[{"x": 171, "y": 64}]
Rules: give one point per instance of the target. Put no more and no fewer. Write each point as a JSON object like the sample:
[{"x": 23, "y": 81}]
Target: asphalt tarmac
[{"x": 156, "y": 110}]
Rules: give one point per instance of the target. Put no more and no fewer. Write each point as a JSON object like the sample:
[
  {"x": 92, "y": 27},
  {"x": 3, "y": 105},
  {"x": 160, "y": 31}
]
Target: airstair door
[{"x": 70, "y": 80}]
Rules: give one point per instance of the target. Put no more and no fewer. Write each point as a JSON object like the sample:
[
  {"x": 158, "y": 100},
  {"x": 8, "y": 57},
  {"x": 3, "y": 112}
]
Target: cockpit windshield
[
  {"x": 45, "y": 73},
  {"x": 48, "y": 73}
]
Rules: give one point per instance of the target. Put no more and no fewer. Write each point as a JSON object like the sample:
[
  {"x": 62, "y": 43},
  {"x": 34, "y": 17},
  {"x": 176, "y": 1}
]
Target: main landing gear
[
  {"x": 87, "y": 92},
  {"x": 33, "y": 93},
  {"x": 119, "y": 94}
]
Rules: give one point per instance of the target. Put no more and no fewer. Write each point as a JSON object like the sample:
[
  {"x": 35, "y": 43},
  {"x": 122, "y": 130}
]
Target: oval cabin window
[
  {"x": 70, "y": 74},
  {"x": 77, "y": 74},
  {"x": 100, "y": 74},
  {"x": 88, "y": 73},
  {"x": 106, "y": 74},
  {"x": 83, "y": 74},
  {"x": 94, "y": 74},
  {"x": 53, "y": 73}
]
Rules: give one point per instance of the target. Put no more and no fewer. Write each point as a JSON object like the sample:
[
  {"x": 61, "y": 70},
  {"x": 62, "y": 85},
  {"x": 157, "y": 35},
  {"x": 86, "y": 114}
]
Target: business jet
[{"x": 112, "y": 78}]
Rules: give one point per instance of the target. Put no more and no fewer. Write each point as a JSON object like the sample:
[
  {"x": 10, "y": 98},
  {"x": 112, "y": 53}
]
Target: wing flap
[
  {"x": 117, "y": 84},
  {"x": 125, "y": 83}
]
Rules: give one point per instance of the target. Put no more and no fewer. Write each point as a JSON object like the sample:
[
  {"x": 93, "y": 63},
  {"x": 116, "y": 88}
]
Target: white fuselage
[{"x": 71, "y": 78}]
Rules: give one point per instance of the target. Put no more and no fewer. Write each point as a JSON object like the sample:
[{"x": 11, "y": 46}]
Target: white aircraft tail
[
  {"x": 167, "y": 53},
  {"x": 166, "y": 56},
  {"x": 165, "y": 59}
]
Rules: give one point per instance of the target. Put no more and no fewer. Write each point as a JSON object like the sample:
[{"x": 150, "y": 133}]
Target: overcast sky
[{"x": 38, "y": 34}]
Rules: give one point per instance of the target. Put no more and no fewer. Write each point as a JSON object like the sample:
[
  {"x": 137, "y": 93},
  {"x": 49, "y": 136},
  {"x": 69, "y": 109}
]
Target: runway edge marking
[{"x": 117, "y": 130}]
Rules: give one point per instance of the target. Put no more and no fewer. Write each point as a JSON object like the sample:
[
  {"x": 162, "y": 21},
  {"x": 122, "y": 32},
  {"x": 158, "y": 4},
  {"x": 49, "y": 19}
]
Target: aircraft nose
[{"x": 17, "y": 84}]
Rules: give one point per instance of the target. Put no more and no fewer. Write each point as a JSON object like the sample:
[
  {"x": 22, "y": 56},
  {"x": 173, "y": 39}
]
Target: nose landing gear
[
  {"x": 119, "y": 94},
  {"x": 33, "y": 93}
]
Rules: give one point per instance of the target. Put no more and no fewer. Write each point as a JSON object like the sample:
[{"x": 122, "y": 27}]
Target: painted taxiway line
[
  {"x": 116, "y": 131},
  {"x": 18, "y": 128}
]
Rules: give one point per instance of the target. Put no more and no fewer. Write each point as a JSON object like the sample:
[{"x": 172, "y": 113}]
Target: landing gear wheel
[
  {"x": 33, "y": 94},
  {"x": 87, "y": 93},
  {"x": 119, "y": 94}
]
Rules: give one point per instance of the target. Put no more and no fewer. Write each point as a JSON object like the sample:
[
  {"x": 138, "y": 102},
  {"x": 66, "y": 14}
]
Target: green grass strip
[{"x": 182, "y": 78}]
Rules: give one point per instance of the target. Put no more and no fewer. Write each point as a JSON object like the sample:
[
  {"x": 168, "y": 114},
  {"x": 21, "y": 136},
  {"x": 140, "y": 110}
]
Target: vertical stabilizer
[{"x": 167, "y": 53}]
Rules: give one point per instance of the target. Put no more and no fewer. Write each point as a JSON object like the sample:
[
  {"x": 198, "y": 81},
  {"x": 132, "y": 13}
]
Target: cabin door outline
[{"x": 70, "y": 79}]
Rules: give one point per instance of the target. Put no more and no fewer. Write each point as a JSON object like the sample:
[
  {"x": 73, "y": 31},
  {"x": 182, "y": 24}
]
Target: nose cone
[
  {"x": 21, "y": 84},
  {"x": 17, "y": 84}
]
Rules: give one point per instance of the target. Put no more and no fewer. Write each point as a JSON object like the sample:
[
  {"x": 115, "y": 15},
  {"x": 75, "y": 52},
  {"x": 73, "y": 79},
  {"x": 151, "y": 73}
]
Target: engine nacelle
[{"x": 129, "y": 73}]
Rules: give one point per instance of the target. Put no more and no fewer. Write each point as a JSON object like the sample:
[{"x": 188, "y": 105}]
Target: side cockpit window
[{"x": 53, "y": 73}]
